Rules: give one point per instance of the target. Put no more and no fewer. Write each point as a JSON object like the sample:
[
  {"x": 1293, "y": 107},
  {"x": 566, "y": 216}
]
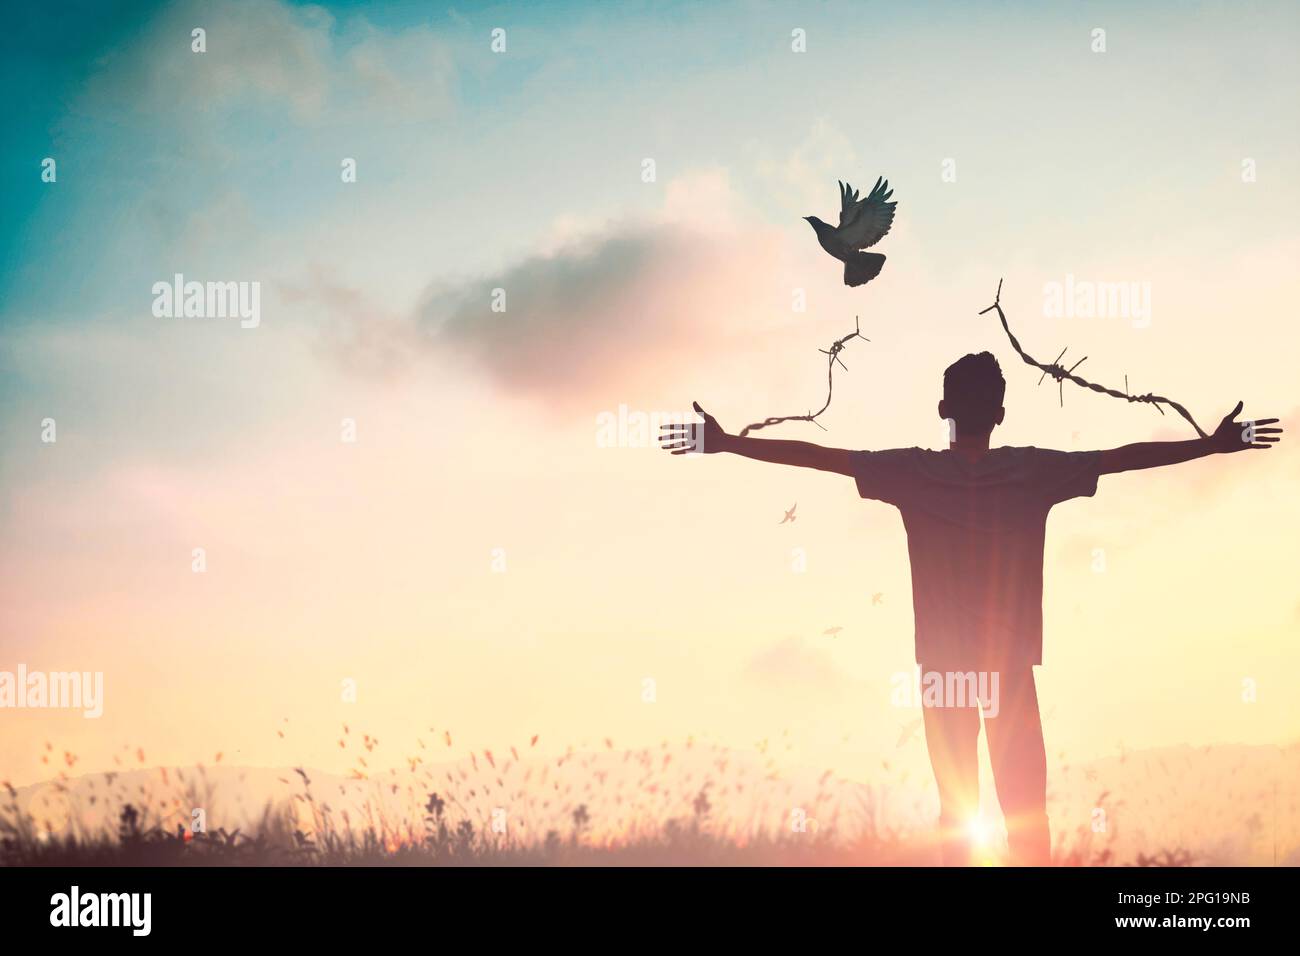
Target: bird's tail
[{"x": 862, "y": 267}]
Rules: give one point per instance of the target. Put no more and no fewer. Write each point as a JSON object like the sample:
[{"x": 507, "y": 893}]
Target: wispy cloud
[
  {"x": 793, "y": 665},
  {"x": 598, "y": 306},
  {"x": 285, "y": 59},
  {"x": 587, "y": 315}
]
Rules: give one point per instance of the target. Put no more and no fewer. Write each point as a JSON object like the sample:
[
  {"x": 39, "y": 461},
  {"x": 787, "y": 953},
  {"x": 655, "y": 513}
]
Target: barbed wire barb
[
  {"x": 1061, "y": 374},
  {"x": 1054, "y": 361}
]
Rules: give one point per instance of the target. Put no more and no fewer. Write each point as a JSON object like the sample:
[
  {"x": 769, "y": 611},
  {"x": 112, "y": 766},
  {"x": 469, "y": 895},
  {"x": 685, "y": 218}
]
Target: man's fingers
[
  {"x": 702, "y": 413},
  {"x": 687, "y": 445},
  {"x": 1234, "y": 413},
  {"x": 1267, "y": 421}
]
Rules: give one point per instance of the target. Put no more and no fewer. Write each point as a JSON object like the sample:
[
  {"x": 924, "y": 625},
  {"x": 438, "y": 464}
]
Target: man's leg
[
  {"x": 952, "y": 737},
  {"x": 1019, "y": 760}
]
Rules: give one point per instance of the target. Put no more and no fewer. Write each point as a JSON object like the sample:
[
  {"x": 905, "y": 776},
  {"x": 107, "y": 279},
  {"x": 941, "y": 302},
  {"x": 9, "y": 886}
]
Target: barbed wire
[
  {"x": 1061, "y": 374},
  {"x": 833, "y": 356}
]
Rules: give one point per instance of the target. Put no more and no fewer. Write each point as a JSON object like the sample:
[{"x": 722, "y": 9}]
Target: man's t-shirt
[{"x": 975, "y": 539}]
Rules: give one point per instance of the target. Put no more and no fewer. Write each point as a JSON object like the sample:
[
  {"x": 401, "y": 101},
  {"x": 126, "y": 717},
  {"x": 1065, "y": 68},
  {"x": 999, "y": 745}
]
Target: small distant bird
[
  {"x": 877, "y": 598},
  {"x": 909, "y": 731},
  {"x": 863, "y": 223},
  {"x": 789, "y": 515},
  {"x": 833, "y": 631}
]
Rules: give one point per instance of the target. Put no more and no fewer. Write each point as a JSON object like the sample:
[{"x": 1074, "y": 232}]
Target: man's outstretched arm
[
  {"x": 1230, "y": 436},
  {"x": 710, "y": 437}
]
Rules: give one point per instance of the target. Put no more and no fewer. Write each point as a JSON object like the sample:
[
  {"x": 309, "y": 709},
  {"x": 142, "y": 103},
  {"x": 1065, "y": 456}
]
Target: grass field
[{"x": 688, "y": 804}]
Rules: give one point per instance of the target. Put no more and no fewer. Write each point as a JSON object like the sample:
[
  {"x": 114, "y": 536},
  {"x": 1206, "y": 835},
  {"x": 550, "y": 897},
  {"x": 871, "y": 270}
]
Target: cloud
[
  {"x": 588, "y": 315},
  {"x": 795, "y": 664},
  {"x": 592, "y": 313},
  {"x": 800, "y": 180},
  {"x": 597, "y": 307},
  {"x": 277, "y": 57},
  {"x": 367, "y": 337},
  {"x": 404, "y": 78}
]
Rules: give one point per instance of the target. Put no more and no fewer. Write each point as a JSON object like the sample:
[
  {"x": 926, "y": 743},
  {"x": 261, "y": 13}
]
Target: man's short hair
[{"x": 973, "y": 389}]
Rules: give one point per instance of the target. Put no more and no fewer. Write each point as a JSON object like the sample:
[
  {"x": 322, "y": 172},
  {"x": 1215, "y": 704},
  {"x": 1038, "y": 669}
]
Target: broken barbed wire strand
[
  {"x": 832, "y": 356},
  {"x": 1061, "y": 373}
]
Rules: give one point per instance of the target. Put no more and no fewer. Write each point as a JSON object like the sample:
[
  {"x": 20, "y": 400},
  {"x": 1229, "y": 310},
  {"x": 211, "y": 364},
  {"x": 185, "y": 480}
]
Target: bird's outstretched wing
[{"x": 864, "y": 222}]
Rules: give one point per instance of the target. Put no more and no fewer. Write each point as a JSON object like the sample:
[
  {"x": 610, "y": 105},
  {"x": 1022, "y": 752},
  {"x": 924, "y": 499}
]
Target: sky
[{"x": 480, "y": 558}]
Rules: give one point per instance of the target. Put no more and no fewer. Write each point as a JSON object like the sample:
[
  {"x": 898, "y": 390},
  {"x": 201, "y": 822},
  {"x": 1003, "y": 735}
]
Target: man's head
[{"x": 973, "y": 389}]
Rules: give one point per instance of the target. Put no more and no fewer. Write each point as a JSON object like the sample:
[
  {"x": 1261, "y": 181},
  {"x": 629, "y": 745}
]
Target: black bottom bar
[{"x": 300, "y": 905}]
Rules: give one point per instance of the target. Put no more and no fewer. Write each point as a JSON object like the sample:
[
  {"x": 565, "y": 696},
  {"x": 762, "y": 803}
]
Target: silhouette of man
[{"x": 975, "y": 519}]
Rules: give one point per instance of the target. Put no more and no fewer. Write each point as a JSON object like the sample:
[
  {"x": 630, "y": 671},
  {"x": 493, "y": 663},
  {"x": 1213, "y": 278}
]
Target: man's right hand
[
  {"x": 683, "y": 438},
  {"x": 1233, "y": 436},
  {"x": 707, "y": 437}
]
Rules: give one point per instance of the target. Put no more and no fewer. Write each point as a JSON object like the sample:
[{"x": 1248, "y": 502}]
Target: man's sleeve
[
  {"x": 885, "y": 475},
  {"x": 1062, "y": 475}
]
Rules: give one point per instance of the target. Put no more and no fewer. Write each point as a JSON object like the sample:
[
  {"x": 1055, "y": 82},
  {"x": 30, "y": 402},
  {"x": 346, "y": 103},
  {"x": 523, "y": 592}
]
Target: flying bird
[
  {"x": 833, "y": 631},
  {"x": 909, "y": 731},
  {"x": 789, "y": 515},
  {"x": 863, "y": 223}
]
